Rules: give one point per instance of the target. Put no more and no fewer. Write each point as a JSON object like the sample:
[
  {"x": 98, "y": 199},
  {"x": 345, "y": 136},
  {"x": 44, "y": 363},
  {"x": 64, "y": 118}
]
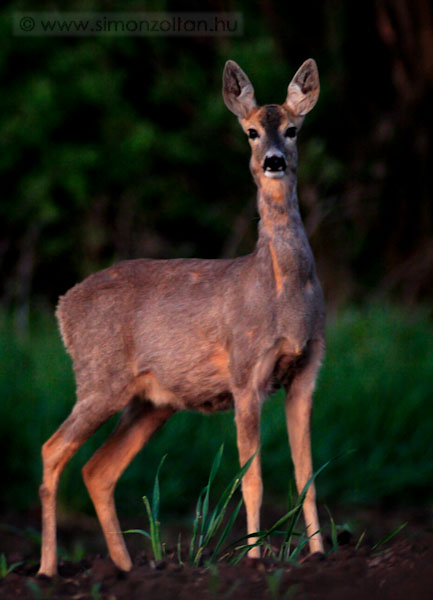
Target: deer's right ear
[{"x": 238, "y": 92}]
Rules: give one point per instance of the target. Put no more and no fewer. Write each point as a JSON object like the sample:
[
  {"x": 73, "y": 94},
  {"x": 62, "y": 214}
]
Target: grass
[
  {"x": 154, "y": 533},
  {"x": 205, "y": 549},
  {"x": 373, "y": 409},
  {"x": 207, "y": 522},
  {"x": 5, "y": 569},
  {"x": 389, "y": 536},
  {"x": 285, "y": 526}
]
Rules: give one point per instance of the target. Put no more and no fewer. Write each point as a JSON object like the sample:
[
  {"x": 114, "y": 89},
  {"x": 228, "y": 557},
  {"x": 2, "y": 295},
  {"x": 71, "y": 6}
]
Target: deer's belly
[
  {"x": 205, "y": 384},
  {"x": 204, "y": 390}
]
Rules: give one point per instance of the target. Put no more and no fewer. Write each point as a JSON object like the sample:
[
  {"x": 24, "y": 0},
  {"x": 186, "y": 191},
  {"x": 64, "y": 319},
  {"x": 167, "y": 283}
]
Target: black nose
[{"x": 274, "y": 163}]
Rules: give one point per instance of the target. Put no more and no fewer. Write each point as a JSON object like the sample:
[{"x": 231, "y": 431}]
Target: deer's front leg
[
  {"x": 299, "y": 404},
  {"x": 247, "y": 416}
]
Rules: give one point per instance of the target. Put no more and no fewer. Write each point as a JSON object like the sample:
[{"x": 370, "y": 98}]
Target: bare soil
[{"x": 401, "y": 569}]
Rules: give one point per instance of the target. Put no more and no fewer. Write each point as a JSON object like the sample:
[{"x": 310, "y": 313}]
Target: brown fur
[{"x": 152, "y": 337}]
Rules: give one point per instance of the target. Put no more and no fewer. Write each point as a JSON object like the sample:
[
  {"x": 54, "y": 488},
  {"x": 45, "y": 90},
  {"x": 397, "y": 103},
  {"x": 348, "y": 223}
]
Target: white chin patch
[{"x": 274, "y": 174}]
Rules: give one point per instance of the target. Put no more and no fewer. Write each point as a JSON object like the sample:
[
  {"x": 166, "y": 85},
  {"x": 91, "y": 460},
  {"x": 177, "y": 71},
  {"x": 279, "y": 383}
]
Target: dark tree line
[{"x": 119, "y": 147}]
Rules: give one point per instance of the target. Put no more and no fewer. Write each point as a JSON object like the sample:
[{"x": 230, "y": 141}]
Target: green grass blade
[
  {"x": 269, "y": 551},
  {"x": 154, "y": 531},
  {"x": 35, "y": 590},
  {"x": 361, "y": 537},
  {"x": 179, "y": 549},
  {"x": 229, "y": 593},
  {"x": 273, "y": 581},
  {"x": 261, "y": 535},
  {"x": 303, "y": 541},
  {"x": 313, "y": 478},
  {"x": 292, "y": 514},
  {"x": 159, "y": 554},
  {"x": 241, "y": 552},
  {"x": 298, "y": 508},
  {"x": 227, "y": 529},
  {"x": 28, "y": 533},
  {"x": 283, "y": 520},
  {"x": 197, "y": 556},
  {"x": 95, "y": 593},
  {"x": 151, "y": 521},
  {"x": 219, "y": 511},
  {"x": 195, "y": 527},
  {"x": 156, "y": 491},
  {"x": 234, "y": 546},
  {"x": 3, "y": 566},
  {"x": 389, "y": 536},
  {"x": 140, "y": 531},
  {"x": 210, "y": 524},
  {"x": 214, "y": 469},
  {"x": 334, "y": 537}
]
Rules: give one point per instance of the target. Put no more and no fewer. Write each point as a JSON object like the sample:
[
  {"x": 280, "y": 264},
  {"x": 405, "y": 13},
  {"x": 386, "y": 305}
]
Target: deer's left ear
[{"x": 304, "y": 88}]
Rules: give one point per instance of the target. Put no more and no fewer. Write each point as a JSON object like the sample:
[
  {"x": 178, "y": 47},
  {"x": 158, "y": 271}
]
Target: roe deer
[{"x": 152, "y": 337}]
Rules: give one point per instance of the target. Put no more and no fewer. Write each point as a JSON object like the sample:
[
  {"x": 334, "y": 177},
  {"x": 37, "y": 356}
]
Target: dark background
[{"x": 120, "y": 147}]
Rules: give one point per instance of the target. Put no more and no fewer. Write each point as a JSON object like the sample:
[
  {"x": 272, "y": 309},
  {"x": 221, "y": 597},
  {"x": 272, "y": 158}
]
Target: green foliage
[
  {"x": 4, "y": 568},
  {"x": 287, "y": 552},
  {"x": 334, "y": 535},
  {"x": 77, "y": 553},
  {"x": 119, "y": 147},
  {"x": 273, "y": 581},
  {"x": 95, "y": 592},
  {"x": 36, "y": 591},
  {"x": 154, "y": 534},
  {"x": 215, "y": 582},
  {"x": 372, "y": 409},
  {"x": 206, "y": 524},
  {"x": 389, "y": 537},
  {"x": 105, "y": 153},
  {"x": 374, "y": 398}
]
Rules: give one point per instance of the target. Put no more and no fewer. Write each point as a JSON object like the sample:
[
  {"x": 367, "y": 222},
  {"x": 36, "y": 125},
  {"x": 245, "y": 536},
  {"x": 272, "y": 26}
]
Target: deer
[{"x": 150, "y": 337}]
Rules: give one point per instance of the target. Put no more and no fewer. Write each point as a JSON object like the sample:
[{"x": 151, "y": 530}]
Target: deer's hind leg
[
  {"x": 299, "y": 403},
  {"x": 87, "y": 416},
  {"x": 137, "y": 424}
]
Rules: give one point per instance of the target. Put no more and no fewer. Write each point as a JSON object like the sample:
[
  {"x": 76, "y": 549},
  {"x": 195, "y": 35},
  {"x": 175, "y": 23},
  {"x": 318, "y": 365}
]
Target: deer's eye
[
  {"x": 253, "y": 134},
  {"x": 291, "y": 132}
]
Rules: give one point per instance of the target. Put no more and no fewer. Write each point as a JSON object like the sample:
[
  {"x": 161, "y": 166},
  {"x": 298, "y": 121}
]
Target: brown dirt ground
[{"x": 401, "y": 569}]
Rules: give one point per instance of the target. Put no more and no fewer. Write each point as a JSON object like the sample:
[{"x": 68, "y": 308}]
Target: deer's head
[{"x": 271, "y": 129}]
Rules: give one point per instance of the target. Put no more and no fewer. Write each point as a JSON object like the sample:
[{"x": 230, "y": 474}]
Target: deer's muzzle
[{"x": 275, "y": 164}]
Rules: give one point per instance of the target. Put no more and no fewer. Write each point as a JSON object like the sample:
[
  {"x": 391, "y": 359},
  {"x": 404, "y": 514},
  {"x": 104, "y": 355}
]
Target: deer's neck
[
  {"x": 281, "y": 232},
  {"x": 277, "y": 205}
]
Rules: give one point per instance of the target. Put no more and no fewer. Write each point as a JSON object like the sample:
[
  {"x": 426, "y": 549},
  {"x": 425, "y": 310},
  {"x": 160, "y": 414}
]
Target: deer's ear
[
  {"x": 238, "y": 92},
  {"x": 304, "y": 88}
]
